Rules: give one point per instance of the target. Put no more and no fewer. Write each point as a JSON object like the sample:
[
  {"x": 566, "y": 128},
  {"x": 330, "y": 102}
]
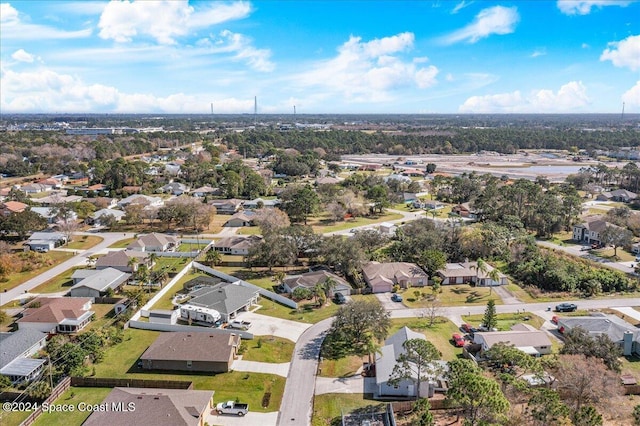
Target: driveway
[
  {"x": 263, "y": 325},
  {"x": 281, "y": 369},
  {"x": 634, "y": 316},
  {"x": 250, "y": 419},
  {"x": 353, "y": 384},
  {"x": 387, "y": 303}
]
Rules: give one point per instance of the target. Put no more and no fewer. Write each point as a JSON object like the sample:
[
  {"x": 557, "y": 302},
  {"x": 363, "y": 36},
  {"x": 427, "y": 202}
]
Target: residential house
[
  {"x": 9, "y": 207},
  {"x": 34, "y": 188},
  {"x": 465, "y": 210},
  {"x": 225, "y": 298},
  {"x": 51, "y": 183},
  {"x": 229, "y": 206},
  {"x": 259, "y": 203},
  {"x": 328, "y": 180},
  {"x": 16, "y": 352},
  {"x": 241, "y": 218},
  {"x": 589, "y": 231},
  {"x": 45, "y": 241},
  {"x": 57, "y": 199},
  {"x": 366, "y": 167},
  {"x": 381, "y": 277},
  {"x": 56, "y": 314},
  {"x": 521, "y": 336},
  {"x": 141, "y": 199},
  {"x": 619, "y": 195},
  {"x": 100, "y": 283},
  {"x": 311, "y": 279},
  {"x": 51, "y": 214},
  {"x": 175, "y": 188},
  {"x": 398, "y": 177},
  {"x": 155, "y": 242},
  {"x": 203, "y": 191},
  {"x": 467, "y": 272},
  {"x": 192, "y": 351},
  {"x": 617, "y": 329},
  {"x": 123, "y": 260},
  {"x": 237, "y": 245},
  {"x": 172, "y": 169},
  {"x": 386, "y": 361},
  {"x": 428, "y": 205},
  {"x": 387, "y": 228},
  {"x": 101, "y": 215},
  {"x": 153, "y": 407},
  {"x": 380, "y": 417}
]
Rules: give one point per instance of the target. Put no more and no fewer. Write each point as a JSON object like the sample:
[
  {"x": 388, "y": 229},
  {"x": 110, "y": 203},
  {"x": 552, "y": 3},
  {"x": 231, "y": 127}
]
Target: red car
[
  {"x": 466, "y": 328},
  {"x": 554, "y": 319},
  {"x": 457, "y": 340}
]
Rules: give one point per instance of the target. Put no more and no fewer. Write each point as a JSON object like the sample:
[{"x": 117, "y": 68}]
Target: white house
[
  {"x": 16, "y": 356},
  {"x": 56, "y": 314}
]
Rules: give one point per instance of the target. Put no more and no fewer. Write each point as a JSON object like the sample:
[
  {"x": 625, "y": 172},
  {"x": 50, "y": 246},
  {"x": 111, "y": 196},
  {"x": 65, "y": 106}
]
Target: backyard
[
  {"x": 439, "y": 334},
  {"x": 84, "y": 242},
  {"x": 328, "y": 408},
  {"x": 73, "y": 396}
]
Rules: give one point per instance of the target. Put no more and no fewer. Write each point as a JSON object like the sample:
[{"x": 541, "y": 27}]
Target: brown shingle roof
[
  {"x": 54, "y": 309},
  {"x": 192, "y": 346}
]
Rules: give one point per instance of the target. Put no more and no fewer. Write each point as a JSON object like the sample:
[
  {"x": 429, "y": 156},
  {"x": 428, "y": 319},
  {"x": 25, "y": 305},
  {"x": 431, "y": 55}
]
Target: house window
[
  {"x": 396, "y": 387},
  {"x": 189, "y": 364}
]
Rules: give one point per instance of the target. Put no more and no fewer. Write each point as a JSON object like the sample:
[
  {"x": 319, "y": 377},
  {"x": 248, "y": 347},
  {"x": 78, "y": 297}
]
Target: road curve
[{"x": 297, "y": 401}]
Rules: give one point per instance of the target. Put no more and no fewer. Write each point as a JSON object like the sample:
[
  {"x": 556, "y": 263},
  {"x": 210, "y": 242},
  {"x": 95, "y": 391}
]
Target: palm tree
[
  {"x": 143, "y": 273},
  {"x": 329, "y": 284},
  {"x": 481, "y": 267},
  {"x": 152, "y": 258},
  {"x": 213, "y": 257},
  {"x": 133, "y": 264}
]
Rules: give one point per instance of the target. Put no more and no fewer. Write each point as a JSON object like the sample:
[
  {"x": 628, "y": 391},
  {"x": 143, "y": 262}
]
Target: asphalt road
[
  {"x": 80, "y": 259},
  {"x": 575, "y": 251}
]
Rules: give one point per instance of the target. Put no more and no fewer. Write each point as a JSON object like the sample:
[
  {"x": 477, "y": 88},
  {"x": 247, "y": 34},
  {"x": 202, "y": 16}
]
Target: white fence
[
  {"x": 187, "y": 328},
  {"x": 263, "y": 292}
]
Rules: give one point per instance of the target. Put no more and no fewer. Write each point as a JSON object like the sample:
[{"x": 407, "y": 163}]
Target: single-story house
[
  {"x": 381, "y": 277},
  {"x": 51, "y": 214},
  {"x": 259, "y": 202},
  {"x": 387, "y": 228},
  {"x": 241, "y": 218},
  {"x": 122, "y": 260},
  {"x": 465, "y": 210},
  {"x": 225, "y": 298},
  {"x": 172, "y": 169},
  {"x": 620, "y": 195},
  {"x": 328, "y": 180},
  {"x": 229, "y": 206},
  {"x": 56, "y": 314},
  {"x": 153, "y": 407},
  {"x": 311, "y": 279},
  {"x": 44, "y": 241},
  {"x": 175, "y": 188},
  {"x": 155, "y": 242},
  {"x": 57, "y": 199},
  {"x": 16, "y": 352},
  {"x": 618, "y": 330},
  {"x": 99, "y": 283},
  {"x": 428, "y": 205},
  {"x": 10, "y": 207},
  {"x": 98, "y": 216},
  {"x": 238, "y": 244},
  {"x": 203, "y": 191},
  {"x": 523, "y": 337},
  {"x": 386, "y": 361},
  {"x": 35, "y": 188},
  {"x": 192, "y": 351},
  {"x": 144, "y": 200},
  {"x": 467, "y": 272},
  {"x": 397, "y": 177}
]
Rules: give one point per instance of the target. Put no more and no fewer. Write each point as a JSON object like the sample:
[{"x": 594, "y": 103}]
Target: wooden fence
[
  {"x": 107, "y": 382},
  {"x": 57, "y": 391}
]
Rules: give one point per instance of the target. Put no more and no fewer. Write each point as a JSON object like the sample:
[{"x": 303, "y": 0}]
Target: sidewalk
[{"x": 630, "y": 312}]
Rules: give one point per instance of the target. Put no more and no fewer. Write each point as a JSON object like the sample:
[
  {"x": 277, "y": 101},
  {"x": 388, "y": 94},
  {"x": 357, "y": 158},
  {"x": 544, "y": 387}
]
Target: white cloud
[
  {"x": 539, "y": 52},
  {"x": 13, "y": 27},
  {"x": 625, "y": 53},
  {"x": 583, "y": 7},
  {"x": 163, "y": 20},
  {"x": 239, "y": 44},
  {"x": 494, "y": 20},
  {"x": 22, "y": 56},
  {"x": 461, "y": 6},
  {"x": 585, "y": 46},
  {"x": 570, "y": 97},
  {"x": 368, "y": 71},
  {"x": 632, "y": 96}
]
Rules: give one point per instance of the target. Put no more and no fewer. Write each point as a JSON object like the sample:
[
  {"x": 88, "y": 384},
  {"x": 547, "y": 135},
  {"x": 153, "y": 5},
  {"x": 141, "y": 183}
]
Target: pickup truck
[
  {"x": 239, "y": 325},
  {"x": 232, "y": 407}
]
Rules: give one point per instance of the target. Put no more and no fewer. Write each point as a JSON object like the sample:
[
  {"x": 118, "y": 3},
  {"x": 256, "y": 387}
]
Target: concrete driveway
[
  {"x": 353, "y": 384},
  {"x": 263, "y": 325},
  {"x": 387, "y": 303},
  {"x": 280, "y": 369},
  {"x": 250, "y": 419}
]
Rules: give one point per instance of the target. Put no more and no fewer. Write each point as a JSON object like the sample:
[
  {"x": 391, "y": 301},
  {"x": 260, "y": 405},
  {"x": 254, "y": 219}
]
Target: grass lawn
[
  {"x": 104, "y": 315},
  {"x": 306, "y": 311},
  {"x": 268, "y": 349},
  {"x": 122, "y": 243},
  {"x": 217, "y": 223},
  {"x": 505, "y": 321},
  {"x": 73, "y": 396},
  {"x": 328, "y": 408},
  {"x": 17, "y": 278},
  {"x": 173, "y": 264},
  {"x": 439, "y": 334},
  {"x": 58, "y": 283},
  {"x": 84, "y": 242},
  {"x": 165, "y": 301},
  {"x": 527, "y": 297},
  {"x": 607, "y": 253},
  {"x": 120, "y": 361},
  {"x": 342, "y": 367},
  {"x": 452, "y": 295},
  {"x": 249, "y": 230},
  {"x": 187, "y": 247},
  {"x": 323, "y": 223},
  {"x": 13, "y": 418}
]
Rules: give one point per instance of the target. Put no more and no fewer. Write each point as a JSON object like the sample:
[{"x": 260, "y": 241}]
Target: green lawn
[
  {"x": 58, "y": 283},
  {"x": 122, "y": 243},
  {"x": 324, "y": 224},
  {"x": 342, "y": 367},
  {"x": 505, "y": 321},
  {"x": 104, "y": 316},
  {"x": 439, "y": 334},
  {"x": 73, "y": 396},
  {"x": 328, "y": 408},
  {"x": 452, "y": 295},
  {"x": 84, "y": 242},
  {"x": 305, "y": 312},
  {"x": 13, "y": 418},
  {"x": 186, "y": 247},
  {"x": 621, "y": 255},
  {"x": 165, "y": 301},
  {"x": 268, "y": 349},
  {"x": 174, "y": 264},
  {"x": 249, "y": 230},
  {"x": 121, "y": 360},
  {"x": 17, "y": 278}
]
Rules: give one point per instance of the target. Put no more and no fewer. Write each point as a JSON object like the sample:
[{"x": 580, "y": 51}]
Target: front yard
[
  {"x": 439, "y": 334},
  {"x": 268, "y": 349},
  {"x": 506, "y": 321},
  {"x": 84, "y": 242},
  {"x": 451, "y": 295},
  {"x": 73, "y": 396}
]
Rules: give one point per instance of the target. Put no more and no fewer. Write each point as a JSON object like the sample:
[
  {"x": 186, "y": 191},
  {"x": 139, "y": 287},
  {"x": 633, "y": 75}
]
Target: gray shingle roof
[
  {"x": 192, "y": 346},
  {"x": 610, "y": 325},
  {"x": 103, "y": 279},
  {"x": 224, "y": 297},
  {"x": 14, "y": 344}
]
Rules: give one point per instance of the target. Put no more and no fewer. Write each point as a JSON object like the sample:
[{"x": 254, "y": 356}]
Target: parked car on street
[
  {"x": 232, "y": 407},
  {"x": 457, "y": 340},
  {"x": 396, "y": 297},
  {"x": 566, "y": 307}
]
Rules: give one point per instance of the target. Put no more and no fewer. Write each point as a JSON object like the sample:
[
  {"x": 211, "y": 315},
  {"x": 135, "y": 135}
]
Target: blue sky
[{"x": 466, "y": 56}]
